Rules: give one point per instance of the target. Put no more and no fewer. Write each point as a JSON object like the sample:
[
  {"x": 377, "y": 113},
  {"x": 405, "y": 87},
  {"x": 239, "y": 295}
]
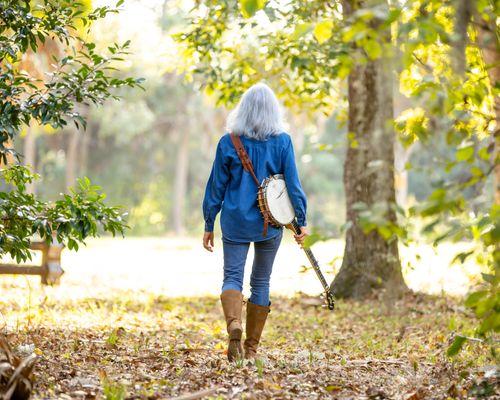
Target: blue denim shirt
[{"x": 232, "y": 188}]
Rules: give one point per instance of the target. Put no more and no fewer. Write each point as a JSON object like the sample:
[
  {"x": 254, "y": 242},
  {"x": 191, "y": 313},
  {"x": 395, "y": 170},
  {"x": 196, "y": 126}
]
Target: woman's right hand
[
  {"x": 302, "y": 236},
  {"x": 208, "y": 241}
]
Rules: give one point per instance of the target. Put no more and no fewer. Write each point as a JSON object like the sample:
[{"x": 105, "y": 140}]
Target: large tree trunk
[{"x": 370, "y": 262}]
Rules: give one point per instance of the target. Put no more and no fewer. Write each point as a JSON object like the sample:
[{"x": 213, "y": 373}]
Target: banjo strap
[
  {"x": 243, "y": 155},
  {"x": 248, "y": 166}
]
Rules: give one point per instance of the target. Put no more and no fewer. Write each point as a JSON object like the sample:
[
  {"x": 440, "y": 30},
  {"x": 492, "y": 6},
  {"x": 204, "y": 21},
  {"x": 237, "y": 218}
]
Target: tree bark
[
  {"x": 370, "y": 262},
  {"x": 71, "y": 156},
  {"x": 10, "y": 159},
  {"x": 84, "y": 149},
  {"x": 490, "y": 46},
  {"x": 463, "y": 13},
  {"x": 180, "y": 181},
  {"x": 29, "y": 151}
]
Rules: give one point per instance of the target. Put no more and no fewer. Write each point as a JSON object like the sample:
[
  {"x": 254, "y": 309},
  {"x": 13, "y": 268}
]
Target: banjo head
[{"x": 278, "y": 201}]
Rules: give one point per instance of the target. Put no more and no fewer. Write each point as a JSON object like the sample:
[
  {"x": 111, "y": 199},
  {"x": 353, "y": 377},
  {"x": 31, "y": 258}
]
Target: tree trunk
[
  {"x": 29, "y": 151},
  {"x": 488, "y": 42},
  {"x": 84, "y": 151},
  {"x": 9, "y": 157},
  {"x": 463, "y": 13},
  {"x": 370, "y": 262},
  {"x": 71, "y": 156},
  {"x": 180, "y": 182}
]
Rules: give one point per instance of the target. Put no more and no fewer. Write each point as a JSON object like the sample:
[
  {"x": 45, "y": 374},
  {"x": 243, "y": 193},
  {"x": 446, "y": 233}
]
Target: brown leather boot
[
  {"x": 256, "y": 319},
  {"x": 232, "y": 303}
]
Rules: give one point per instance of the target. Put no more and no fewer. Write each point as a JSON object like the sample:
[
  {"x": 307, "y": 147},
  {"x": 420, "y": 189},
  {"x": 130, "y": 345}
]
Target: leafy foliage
[
  {"x": 69, "y": 220},
  {"x": 78, "y": 75},
  {"x": 250, "y": 7}
]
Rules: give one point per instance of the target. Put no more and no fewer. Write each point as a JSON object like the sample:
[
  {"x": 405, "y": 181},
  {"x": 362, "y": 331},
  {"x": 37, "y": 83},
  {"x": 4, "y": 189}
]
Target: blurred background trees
[{"x": 133, "y": 146}]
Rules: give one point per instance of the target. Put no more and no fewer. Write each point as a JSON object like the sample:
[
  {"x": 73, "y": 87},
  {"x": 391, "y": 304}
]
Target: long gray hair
[{"x": 258, "y": 114}]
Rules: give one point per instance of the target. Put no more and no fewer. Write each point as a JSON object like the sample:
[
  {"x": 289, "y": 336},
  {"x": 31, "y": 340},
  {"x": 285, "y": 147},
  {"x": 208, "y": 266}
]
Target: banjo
[{"x": 277, "y": 210}]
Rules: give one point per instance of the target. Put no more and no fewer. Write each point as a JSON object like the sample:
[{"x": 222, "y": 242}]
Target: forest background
[{"x": 152, "y": 150}]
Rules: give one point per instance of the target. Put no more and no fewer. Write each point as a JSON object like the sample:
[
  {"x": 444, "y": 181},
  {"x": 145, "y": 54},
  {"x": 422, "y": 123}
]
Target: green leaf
[
  {"x": 490, "y": 323},
  {"x": 384, "y": 231},
  {"x": 323, "y": 31},
  {"x": 394, "y": 14},
  {"x": 456, "y": 346},
  {"x": 476, "y": 171},
  {"x": 465, "y": 153},
  {"x": 301, "y": 30},
  {"x": 474, "y": 298},
  {"x": 250, "y": 7},
  {"x": 312, "y": 238},
  {"x": 462, "y": 256},
  {"x": 355, "y": 31},
  {"x": 373, "y": 49},
  {"x": 484, "y": 306},
  {"x": 484, "y": 153},
  {"x": 490, "y": 278}
]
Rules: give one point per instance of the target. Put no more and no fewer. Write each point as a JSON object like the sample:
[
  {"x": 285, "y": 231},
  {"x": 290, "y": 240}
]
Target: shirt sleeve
[
  {"x": 215, "y": 189},
  {"x": 295, "y": 191}
]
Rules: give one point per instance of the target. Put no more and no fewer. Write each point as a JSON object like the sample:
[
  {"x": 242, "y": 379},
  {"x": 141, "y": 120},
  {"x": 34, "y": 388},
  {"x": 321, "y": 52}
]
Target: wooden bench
[{"x": 50, "y": 269}]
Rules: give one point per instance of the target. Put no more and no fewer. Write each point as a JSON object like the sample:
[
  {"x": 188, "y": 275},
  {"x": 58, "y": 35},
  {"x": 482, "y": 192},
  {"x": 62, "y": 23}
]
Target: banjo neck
[{"x": 312, "y": 259}]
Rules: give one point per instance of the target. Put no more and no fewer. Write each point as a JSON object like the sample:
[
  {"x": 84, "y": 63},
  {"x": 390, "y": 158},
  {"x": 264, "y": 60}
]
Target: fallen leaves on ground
[
  {"x": 16, "y": 380},
  {"x": 137, "y": 345}
]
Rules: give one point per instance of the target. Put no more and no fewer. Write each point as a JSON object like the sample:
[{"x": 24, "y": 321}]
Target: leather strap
[
  {"x": 248, "y": 166},
  {"x": 243, "y": 155}
]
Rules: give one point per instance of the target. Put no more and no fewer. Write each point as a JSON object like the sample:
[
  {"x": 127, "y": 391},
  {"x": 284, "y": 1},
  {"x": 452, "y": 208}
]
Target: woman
[{"x": 257, "y": 120}]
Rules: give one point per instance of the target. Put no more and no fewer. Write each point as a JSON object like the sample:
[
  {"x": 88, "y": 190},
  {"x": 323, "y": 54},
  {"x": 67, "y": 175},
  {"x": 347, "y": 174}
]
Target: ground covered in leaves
[{"x": 140, "y": 345}]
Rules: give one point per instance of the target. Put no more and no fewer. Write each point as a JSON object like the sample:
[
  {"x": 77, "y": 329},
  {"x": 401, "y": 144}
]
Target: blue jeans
[{"x": 235, "y": 255}]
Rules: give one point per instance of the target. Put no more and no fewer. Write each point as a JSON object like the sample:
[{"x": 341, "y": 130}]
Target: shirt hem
[{"x": 254, "y": 239}]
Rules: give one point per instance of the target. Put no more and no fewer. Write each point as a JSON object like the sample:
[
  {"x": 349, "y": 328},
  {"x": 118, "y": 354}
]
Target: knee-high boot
[
  {"x": 256, "y": 319},
  {"x": 232, "y": 303}
]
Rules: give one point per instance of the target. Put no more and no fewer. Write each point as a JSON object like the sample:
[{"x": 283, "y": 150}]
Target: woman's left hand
[{"x": 208, "y": 241}]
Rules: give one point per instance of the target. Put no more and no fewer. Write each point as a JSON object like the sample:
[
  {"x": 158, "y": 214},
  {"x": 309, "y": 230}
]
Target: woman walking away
[{"x": 257, "y": 122}]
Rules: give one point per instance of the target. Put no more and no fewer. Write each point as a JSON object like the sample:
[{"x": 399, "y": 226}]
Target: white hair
[{"x": 258, "y": 114}]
